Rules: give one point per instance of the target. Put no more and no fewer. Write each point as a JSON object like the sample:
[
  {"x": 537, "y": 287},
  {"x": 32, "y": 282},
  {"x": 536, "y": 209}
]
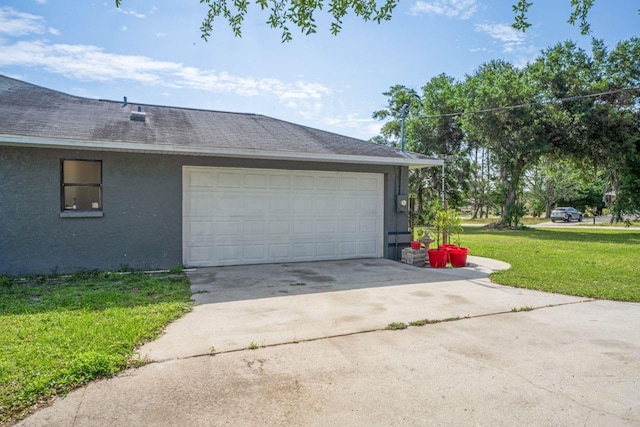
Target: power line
[{"x": 531, "y": 104}]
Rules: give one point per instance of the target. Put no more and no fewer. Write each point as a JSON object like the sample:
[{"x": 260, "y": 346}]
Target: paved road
[{"x": 327, "y": 359}]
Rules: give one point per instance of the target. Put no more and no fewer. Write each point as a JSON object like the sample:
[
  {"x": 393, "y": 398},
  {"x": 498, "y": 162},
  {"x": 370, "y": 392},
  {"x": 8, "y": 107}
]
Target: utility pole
[{"x": 403, "y": 114}]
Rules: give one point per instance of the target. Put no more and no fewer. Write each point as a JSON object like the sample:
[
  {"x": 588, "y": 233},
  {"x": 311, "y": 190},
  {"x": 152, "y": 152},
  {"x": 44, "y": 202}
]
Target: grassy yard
[
  {"x": 596, "y": 263},
  {"x": 59, "y": 333}
]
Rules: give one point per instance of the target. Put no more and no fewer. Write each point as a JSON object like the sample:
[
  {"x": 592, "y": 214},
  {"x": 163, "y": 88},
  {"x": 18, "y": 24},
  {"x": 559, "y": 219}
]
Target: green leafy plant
[
  {"x": 253, "y": 346},
  {"x": 447, "y": 222},
  {"x": 177, "y": 270}
]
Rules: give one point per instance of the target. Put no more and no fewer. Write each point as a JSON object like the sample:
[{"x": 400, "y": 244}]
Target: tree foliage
[
  {"x": 562, "y": 129},
  {"x": 286, "y": 14}
]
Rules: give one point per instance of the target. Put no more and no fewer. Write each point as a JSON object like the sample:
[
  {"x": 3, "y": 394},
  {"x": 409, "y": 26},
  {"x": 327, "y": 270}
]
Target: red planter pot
[
  {"x": 458, "y": 257},
  {"x": 437, "y": 258},
  {"x": 447, "y": 247},
  {"x": 415, "y": 245}
]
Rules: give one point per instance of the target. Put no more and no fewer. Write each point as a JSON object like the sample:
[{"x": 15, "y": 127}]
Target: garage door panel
[
  {"x": 367, "y": 248},
  {"x": 348, "y": 249},
  {"x": 255, "y": 253},
  {"x": 349, "y": 183},
  {"x": 326, "y": 227},
  {"x": 369, "y": 184},
  {"x": 279, "y": 251},
  {"x": 348, "y": 206},
  {"x": 254, "y": 205},
  {"x": 325, "y": 205},
  {"x": 348, "y": 226},
  {"x": 200, "y": 254},
  {"x": 279, "y": 181},
  {"x": 304, "y": 182},
  {"x": 327, "y": 250},
  {"x": 303, "y": 206},
  {"x": 241, "y": 216},
  {"x": 202, "y": 179},
  {"x": 229, "y": 228},
  {"x": 279, "y": 228},
  {"x": 229, "y": 179},
  {"x": 327, "y": 183},
  {"x": 368, "y": 226},
  {"x": 200, "y": 228},
  {"x": 255, "y": 180},
  {"x": 280, "y": 205},
  {"x": 255, "y": 228},
  {"x": 229, "y": 252},
  {"x": 369, "y": 205},
  {"x": 304, "y": 227},
  {"x": 303, "y": 250}
]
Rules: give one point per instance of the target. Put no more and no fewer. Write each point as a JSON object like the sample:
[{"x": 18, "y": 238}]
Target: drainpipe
[{"x": 443, "y": 203}]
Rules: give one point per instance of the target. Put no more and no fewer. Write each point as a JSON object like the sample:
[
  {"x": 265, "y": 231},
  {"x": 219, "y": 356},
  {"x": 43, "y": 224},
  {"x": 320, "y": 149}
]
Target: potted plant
[
  {"x": 438, "y": 257},
  {"x": 457, "y": 254},
  {"x": 449, "y": 220},
  {"x": 421, "y": 238},
  {"x": 415, "y": 244}
]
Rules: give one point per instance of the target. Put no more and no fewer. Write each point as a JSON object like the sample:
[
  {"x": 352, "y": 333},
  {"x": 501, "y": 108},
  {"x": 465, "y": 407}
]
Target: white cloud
[
  {"x": 462, "y": 9},
  {"x": 161, "y": 34},
  {"x": 53, "y": 31},
  {"x": 132, "y": 13},
  {"x": 502, "y": 32},
  {"x": 90, "y": 63},
  {"x": 14, "y": 23}
]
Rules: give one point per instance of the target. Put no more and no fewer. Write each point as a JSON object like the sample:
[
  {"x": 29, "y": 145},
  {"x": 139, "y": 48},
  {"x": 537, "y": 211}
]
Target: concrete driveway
[{"x": 503, "y": 356}]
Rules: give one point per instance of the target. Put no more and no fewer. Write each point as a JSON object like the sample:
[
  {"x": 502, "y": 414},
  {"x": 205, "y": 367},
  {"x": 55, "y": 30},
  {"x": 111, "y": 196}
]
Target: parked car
[{"x": 565, "y": 214}]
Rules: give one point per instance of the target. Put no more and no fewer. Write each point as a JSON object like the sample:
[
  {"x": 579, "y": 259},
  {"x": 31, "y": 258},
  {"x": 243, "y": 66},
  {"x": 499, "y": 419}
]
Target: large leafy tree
[
  {"x": 600, "y": 132},
  {"x": 514, "y": 136}
]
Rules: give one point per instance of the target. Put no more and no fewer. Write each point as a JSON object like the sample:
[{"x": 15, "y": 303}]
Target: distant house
[{"x": 95, "y": 184}]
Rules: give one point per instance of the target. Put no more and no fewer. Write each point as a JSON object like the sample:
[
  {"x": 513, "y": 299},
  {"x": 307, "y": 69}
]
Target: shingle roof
[{"x": 27, "y": 110}]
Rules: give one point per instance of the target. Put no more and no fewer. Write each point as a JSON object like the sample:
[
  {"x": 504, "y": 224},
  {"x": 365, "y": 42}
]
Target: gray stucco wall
[{"x": 142, "y": 204}]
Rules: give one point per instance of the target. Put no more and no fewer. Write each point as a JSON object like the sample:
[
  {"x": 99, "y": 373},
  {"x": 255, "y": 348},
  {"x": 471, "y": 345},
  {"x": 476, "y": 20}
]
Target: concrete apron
[{"x": 275, "y": 304}]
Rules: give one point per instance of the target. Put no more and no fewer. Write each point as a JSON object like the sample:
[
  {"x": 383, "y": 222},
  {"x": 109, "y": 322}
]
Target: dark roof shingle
[{"x": 33, "y": 111}]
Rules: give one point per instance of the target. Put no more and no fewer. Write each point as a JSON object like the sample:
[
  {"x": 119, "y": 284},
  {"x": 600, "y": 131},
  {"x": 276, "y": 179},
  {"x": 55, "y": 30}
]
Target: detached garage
[{"x": 94, "y": 184}]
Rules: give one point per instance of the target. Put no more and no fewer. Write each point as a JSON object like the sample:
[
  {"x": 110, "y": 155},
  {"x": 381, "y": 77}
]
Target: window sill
[{"x": 81, "y": 214}]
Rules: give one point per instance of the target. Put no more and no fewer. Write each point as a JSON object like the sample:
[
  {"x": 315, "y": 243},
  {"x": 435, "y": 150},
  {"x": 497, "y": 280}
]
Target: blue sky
[{"x": 151, "y": 52}]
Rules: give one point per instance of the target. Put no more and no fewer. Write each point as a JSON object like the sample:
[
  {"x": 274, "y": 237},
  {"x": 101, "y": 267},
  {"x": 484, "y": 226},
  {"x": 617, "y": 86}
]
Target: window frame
[{"x": 75, "y": 213}]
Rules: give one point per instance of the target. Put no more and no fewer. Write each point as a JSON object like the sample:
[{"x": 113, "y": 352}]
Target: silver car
[{"x": 565, "y": 214}]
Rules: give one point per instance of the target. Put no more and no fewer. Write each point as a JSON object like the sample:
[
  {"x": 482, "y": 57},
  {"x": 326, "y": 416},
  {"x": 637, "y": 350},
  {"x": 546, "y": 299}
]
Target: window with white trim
[{"x": 81, "y": 185}]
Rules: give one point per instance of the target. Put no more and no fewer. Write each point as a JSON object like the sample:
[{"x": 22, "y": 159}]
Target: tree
[
  {"x": 514, "y": 136},
  {"x": 601, "y": 132},
  {"x": 432, "y": 129},
  {"x": 283, "y": 14}
]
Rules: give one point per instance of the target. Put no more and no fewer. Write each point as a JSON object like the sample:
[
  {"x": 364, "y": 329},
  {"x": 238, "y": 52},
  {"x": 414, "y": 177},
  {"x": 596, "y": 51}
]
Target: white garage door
[{"x": 250, "y": 216}]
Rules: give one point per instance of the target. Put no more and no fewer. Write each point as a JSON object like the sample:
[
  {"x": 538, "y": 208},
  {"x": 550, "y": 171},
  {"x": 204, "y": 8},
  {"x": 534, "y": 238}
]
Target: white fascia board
[{"x": 42, "y": 142}]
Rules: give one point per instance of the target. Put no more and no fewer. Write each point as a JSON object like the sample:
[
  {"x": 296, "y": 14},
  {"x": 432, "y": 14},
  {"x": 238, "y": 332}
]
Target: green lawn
[
  {"x": 57, "y": 334},
  {"x": 596, "y": 263}
]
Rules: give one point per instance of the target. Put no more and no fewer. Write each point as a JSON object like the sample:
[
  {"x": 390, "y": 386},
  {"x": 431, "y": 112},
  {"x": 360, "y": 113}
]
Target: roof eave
[{"x": 45, "y": 142}]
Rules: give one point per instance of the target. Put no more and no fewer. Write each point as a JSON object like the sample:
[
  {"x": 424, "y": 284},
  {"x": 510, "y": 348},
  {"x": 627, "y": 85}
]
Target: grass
[
  {"x": 396, "y": 326},
  {"x": 594, "y": 263},
  {"x": 59, "y": 333}
]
